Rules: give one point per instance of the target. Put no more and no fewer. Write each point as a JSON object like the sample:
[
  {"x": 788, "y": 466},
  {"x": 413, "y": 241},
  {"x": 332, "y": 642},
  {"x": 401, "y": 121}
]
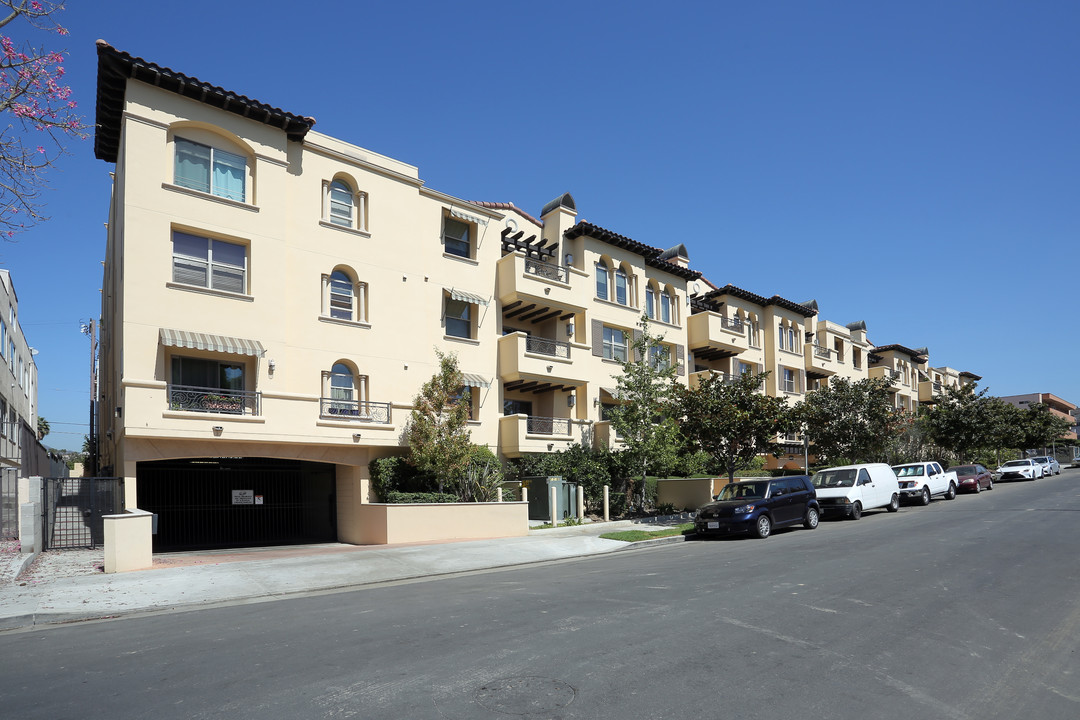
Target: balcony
[
  {"x": 358, "y": 410},
  {"x": 537, "y": 359},
  {"x": 820, "y": 361},
  {"x": 891, "y": 375},
  {"x": 930, "y": 391},
  {"x": 189, "y": 398},
  {"x": 532, "y": 286},
  {"x": 713, "y": 336},
  {"x": 520, "y": 434}
]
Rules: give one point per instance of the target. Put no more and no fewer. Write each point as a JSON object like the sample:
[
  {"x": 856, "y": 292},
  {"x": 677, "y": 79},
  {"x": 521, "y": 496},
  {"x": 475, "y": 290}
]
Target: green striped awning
[
  {"x": 467, "y": 296},
  {"x": 476, "y": 381},
  {"x": 213, "y": 343}
]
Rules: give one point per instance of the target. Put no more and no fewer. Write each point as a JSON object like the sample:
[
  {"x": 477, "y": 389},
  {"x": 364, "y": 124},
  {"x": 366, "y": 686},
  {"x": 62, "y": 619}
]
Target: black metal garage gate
[
  {"x": 73, "y": 510},
  {"x": 237, "y": 502}
]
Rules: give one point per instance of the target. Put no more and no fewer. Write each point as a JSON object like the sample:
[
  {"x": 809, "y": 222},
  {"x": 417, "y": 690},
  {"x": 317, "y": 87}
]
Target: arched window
[
  {"x": 667, "y": 307},
  {"x": 650, "y": 302},
  {"x": 344, "y": 298},
  {"x": 344, "y": 392},
  {"x": 341, "y": 204},
  {"x": 344, "y": 206},
  {"x": 342, "y": 383},
  {"x": 602, "y": 280}
]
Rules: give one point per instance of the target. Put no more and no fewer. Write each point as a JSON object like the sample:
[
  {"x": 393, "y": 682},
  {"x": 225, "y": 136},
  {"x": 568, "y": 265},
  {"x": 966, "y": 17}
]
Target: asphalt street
[{"x": 964, "y": 609}]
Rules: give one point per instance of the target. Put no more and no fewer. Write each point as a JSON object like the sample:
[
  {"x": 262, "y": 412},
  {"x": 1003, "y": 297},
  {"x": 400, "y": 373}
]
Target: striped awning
[
  {"x": 454, "y": 212},
  {"x": 613, "y": 392},
  {"x": 476, "y": 381},
  {"x": 466, "y": 296},
  {"x": 213, "y": 343}
]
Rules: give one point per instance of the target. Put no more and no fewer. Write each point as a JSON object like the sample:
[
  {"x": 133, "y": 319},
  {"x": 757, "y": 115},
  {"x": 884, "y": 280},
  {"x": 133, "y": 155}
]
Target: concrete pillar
[
  {"x": 30, "y": 527},
  {"x": 554, "y": 507},
  {"x": 607, "y": 505},
  {"x": 524, "y": 494},
  {"x": 580, "y": 503},
  {"x": 498, "y": 494}
]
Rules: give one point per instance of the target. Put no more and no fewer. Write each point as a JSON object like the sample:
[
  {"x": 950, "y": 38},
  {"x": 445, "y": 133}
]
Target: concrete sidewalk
[{"x": 187, "y": 580}]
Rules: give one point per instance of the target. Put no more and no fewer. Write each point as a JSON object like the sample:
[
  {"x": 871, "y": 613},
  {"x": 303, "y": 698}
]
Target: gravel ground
[{"x": 49, "y": 565}]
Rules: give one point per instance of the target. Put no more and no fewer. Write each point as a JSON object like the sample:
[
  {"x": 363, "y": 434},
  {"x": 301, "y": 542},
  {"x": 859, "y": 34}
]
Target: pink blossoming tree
[{"x": 39, "y": 112}]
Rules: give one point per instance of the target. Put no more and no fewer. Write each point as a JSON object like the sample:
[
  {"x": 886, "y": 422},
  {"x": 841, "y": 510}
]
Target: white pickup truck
[{"x": 919, "y": 481}]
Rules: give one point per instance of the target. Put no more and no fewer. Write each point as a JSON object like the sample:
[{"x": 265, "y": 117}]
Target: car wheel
[
  {"x": 763, "y": 527},
  {"x": 856, "y": 510},
  {"x": 990, "y": 484},
  {"x": 978, "y": 487},
  {"x": 924, "y": 499},
  {"x": 951, "y": 494},
  {"x": 894, "y": 503},
  {"x": 812, "y": 518}
]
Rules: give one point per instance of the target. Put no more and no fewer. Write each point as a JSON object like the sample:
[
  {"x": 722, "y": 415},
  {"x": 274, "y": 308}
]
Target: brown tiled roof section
[
  {"x": 650, "y": 254},
  {"x": 913, "y": 354},
  {"x": 761, "y": 300},
  {"x": 115, "y": 68},
  {"x": 507, "y": 206}
]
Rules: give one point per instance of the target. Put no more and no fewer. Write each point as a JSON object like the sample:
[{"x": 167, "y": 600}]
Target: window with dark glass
[
  {"x": 456, "y": 238},
  {"x": 601, "y": 281},
  {"x": 458, "y": 323}
]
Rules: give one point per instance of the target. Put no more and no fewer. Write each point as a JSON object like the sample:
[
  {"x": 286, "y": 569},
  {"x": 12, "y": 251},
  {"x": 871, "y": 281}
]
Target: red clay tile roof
[{"x": 508, "y": 206}]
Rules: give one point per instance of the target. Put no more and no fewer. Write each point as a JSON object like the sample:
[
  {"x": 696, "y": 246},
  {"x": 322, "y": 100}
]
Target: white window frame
[
  {"x": 650, "y": 302},
  {"x": 356, "y": 310},
  {"x": 470, "y": 238},
  {"x": 358, "y": 207},
  {"x": 612, "y": 348},
  {"x": 789, "y": 380},
  {"x": 621, "y": 274},
  {"x": 603, "y": 277},
  {"x": 469, "y": 314},
  {"x": 209, "y": 264}
]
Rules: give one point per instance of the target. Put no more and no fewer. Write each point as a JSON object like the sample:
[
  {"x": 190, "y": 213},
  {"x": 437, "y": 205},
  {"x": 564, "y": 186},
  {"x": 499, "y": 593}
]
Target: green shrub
[
  {"x": 405, "y": 498},
  {"x": 395, "y": 474}
]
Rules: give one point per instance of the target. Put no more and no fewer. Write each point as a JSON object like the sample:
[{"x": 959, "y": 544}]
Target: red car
[{"x": 973, "y": 478}]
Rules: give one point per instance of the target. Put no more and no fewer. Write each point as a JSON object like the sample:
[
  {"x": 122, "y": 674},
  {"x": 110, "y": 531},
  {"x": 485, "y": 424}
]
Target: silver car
[{"x": 1050, "y": 464}]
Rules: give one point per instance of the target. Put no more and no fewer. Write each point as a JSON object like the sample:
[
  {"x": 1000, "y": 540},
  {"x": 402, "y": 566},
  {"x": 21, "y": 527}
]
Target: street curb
[{"x": 658, "y": 541}]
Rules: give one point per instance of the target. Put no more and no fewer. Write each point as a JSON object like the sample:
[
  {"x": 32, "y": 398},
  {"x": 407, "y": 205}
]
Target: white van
[{"x": 850, "y": 489}]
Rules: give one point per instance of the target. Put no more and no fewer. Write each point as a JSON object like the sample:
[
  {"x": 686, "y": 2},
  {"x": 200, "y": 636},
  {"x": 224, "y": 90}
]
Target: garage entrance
[{"x": 237, "y": 502}]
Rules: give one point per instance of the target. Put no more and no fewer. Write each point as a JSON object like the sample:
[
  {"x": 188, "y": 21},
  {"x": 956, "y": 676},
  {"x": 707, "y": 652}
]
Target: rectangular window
[
  {"x": 789, "y": 383},
  {"x": 620, "y": 288},
  {"x": 601, "y": 281},
  {"x": 751, "y": 333},
  {"x": 615, "y": 344},
  {"x": 210, "y": 374},
  {"x": 660, "y": 357},
  {"x": 517, "y": 407},
  {"x": 781, "y": 337},
  {"x": 458, "y": 322},
  {"x": 650, "y": 303},
  {"x": 792, "y": 337},
  {"x": 665, "y": 307},
  {"x": 209, "y": 263},
  {"x": 3, "y": 337},
  {"x": 456, "y": 238},
  {"x": 210, "y": 170}
]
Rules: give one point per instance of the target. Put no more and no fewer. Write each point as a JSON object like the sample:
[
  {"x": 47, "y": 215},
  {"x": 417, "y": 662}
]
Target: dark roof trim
[
  {"x": 857, "y": 325},
  {"x": 115, "y": 68},
  {"x": 677, "y": 251},
  {"x": 651, "y": 254},
  {"x": 971, "y": 375},
  {"x": 762, "y": 300},
  {"x": 913, "y": 354}
]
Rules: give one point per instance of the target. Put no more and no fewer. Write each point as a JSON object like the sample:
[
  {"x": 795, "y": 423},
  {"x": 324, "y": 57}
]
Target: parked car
[
  {"x": 1050, "y": 464},
  {"x": 919, "y": 481},
  {"x": 759, "y": 506},
  {"x": 1026, "y": 469},
  {"x": 973, "y": 478},
  {"x": 850, "y": 489}
]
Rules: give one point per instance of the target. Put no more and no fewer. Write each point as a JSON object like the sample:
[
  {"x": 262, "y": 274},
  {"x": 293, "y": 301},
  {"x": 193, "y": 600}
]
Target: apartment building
[
  {"x": 1060, "y": 407},
  {"x": 273, "y": 299}
]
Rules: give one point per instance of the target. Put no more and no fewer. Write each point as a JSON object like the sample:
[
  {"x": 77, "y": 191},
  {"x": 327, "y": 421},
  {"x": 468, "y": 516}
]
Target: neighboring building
[
  {"x": 1058, "y": 406},
  {"x": 21, "y": 453}
]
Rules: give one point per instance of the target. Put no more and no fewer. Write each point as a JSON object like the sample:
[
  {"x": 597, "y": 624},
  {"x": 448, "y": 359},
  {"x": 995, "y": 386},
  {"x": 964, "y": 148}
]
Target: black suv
[{"x": 758, "y": 506}]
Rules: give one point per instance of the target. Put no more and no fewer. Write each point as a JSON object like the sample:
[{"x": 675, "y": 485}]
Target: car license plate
[{"x": 714, "y": 526}]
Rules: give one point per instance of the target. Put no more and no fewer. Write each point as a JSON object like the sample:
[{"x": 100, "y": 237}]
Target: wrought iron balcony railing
[
  {"x": 734, "y": 324},
  {"x": 820, "y": 351},
  {"x": 547, "y": 426},
  {"x": 546, "y": 270},
  {"x": 544, "y": 346},
  {"x": 213, "y": 400},
  {"x": 361, "y": 410}
]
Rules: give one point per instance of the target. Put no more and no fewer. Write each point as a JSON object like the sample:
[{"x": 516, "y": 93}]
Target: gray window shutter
[
  {"x": 596, "y": 329},
  {"x": 680, "y": 359},
  {"x": 637, "y": 352}
]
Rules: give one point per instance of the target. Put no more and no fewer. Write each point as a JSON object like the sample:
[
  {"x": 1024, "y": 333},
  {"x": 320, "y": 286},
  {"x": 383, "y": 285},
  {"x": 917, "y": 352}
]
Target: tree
[
  {"x": 42, "y": 115},
  {"x": 963, "y": 421},
  {"x": 42, "y": 427},
  {"x": 850, "y": 421},
  {"x": 732, "y": 421},
  {"x": 643, "y": 418},
  {"x": 438, "y": 438},
  {"x": 1040, "y": 427}
]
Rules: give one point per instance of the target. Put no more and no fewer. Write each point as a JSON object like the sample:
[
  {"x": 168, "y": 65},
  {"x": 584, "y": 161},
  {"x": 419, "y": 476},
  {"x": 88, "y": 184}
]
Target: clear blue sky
[{"x": 915, "y": 165}]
